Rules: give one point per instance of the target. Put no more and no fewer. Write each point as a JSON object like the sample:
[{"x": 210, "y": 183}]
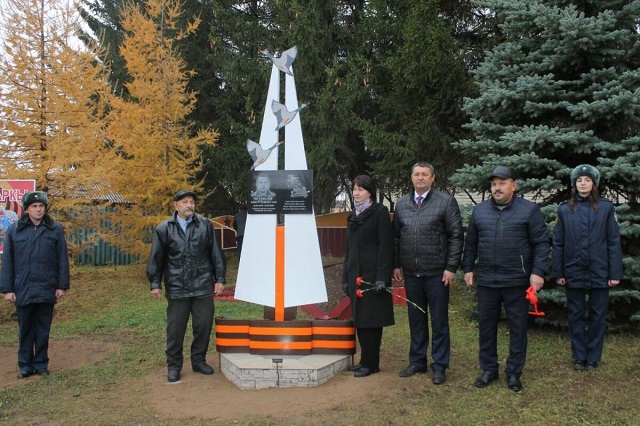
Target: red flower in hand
[
  {"x": 532, "y": 297},
  {"x": 360, "y": 292}
]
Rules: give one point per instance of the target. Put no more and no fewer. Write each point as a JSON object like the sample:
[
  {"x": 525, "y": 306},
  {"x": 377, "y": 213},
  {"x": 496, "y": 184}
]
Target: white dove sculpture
[
  {"x": 283, "y": 63},
  {"x": 283, "y": 115},
  {"x": 258, "y": 154}
]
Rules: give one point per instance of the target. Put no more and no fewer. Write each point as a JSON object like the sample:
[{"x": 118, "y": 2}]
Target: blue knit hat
[{"x": 585, "y": 170}]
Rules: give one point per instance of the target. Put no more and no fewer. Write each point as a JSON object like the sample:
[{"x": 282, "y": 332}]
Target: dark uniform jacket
[
  {"x": 369, "y": 254},
  {"x": 586, "y": 245},
  {"x": 190, "y": 262},
  {"x": 509, "y": 244},
  {"x": 35, "y": 262},
  {"x": 427, "y": 240}
]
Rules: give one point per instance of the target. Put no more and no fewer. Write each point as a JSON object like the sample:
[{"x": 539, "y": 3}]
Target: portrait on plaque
[
  {"x": 262, "y": 188},
  {"x": 281, "y": 192}
]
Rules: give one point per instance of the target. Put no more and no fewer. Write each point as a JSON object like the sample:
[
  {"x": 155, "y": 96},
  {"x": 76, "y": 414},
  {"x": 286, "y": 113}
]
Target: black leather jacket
[
  {"x": 427, "y": 240},
  {"x": 190, "y": 262}
]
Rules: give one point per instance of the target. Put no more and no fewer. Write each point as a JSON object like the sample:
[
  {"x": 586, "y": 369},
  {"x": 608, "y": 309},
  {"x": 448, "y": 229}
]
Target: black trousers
[
  {"x": 34, "y": 325},
  {"x": 432, "y": 296},
  {"x": 178, "y": 312},
  {"x": 516, "y": 307},
  {"x": 370, "y": 340},
  {"x": 587, "y": 336}
]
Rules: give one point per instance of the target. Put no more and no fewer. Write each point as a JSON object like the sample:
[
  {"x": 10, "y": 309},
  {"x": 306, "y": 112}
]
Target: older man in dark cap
[
  {"x": 186, "y": 253},
  {"x": 35, "y": 274},
  {"x": 508, "y": 236}
]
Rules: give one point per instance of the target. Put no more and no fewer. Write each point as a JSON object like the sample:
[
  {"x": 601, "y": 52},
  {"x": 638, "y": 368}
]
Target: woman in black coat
[
  {"x": 587, "y": 260},
  {"x": 369, "y": 254}
]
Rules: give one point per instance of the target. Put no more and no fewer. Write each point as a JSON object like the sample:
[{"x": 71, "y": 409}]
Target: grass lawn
[{"x": 113, "y": 305}]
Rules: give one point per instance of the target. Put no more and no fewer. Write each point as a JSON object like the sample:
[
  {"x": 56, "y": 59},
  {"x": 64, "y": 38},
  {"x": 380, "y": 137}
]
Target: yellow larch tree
[
  {"x": 158, "y": 151},
  {"x": 53, "y": 102}
]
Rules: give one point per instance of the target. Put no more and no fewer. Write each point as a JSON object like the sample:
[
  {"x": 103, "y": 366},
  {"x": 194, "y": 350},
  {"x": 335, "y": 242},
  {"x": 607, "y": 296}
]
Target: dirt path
[
  {"x": 64, "y": 354},
  {"x": 214, "y": 397},
  {"x": 203, "y": 397}
]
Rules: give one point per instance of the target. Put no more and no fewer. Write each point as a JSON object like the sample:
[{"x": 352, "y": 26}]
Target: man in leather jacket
[{"x": 186, "y": 253}]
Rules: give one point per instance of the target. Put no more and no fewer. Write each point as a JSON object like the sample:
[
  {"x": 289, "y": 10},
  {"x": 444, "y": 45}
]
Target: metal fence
[{"x": 97, "y": 252}]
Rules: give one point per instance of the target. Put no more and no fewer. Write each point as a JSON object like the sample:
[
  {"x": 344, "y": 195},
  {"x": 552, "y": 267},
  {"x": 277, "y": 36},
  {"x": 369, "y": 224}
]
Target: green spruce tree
[
  {"x": 419, "y": 64},
  {"x": 322, "y": 33},
  {"x": 562, "y": 88}
]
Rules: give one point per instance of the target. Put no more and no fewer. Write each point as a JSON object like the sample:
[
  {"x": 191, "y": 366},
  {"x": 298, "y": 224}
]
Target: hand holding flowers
[{"x": 380, "y": 288}]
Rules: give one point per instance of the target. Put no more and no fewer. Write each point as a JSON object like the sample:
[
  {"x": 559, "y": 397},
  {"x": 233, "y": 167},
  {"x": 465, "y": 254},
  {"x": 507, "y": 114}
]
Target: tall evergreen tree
[
  {"x": 419, "y": 73},
  {"x": 562, "y": 89},
  {"x": 239, "y": 30},
  {"x": 351, "y": 71},
  {"x": 229, "y": 72},
  {"x": 103, "y": 28},
  {"x": 328, "y": 34}
]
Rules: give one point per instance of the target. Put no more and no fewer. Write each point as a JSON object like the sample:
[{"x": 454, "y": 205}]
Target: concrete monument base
[{"x": 250, "y": 372}]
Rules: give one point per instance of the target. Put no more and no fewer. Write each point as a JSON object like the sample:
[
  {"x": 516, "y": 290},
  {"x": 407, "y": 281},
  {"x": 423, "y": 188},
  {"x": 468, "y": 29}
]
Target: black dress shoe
[
  {"x": 364, "y": 372},
  {"x": 486, "y": 379},
  {"x": 203, "y": 368},
  {"x": 43, "y": 372},
  {"x": 514, "y": 383},
  {"x": 591, "y": 366},
  {"x": 439, "y": 377},
  {"x": 355, "y": 367},
  {"x": 23, "y": 374},
  {"x": 579, "y": 365},
  {"x": 173, "y": 376},
  {"x": 411, "y": 370}
]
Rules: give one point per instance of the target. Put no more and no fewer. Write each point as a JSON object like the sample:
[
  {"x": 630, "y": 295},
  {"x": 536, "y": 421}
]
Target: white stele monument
[
  {"x": 282, "y": 269},
  {"x": 303, "y": 274}
]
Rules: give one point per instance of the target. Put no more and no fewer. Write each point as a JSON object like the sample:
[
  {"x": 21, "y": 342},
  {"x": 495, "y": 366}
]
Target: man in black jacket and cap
[
  {"x": 508, "y": 236},
  {"x": 35, "y": 274},
  {"x": 186, "y": 252}
]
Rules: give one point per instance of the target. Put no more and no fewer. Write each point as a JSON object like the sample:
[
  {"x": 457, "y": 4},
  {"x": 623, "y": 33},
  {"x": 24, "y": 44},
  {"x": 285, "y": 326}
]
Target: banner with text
[{"x": 11, "y": 192}]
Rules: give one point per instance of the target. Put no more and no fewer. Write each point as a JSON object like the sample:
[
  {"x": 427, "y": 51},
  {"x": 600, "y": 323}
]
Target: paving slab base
[{"x": 251, "y": 372}]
